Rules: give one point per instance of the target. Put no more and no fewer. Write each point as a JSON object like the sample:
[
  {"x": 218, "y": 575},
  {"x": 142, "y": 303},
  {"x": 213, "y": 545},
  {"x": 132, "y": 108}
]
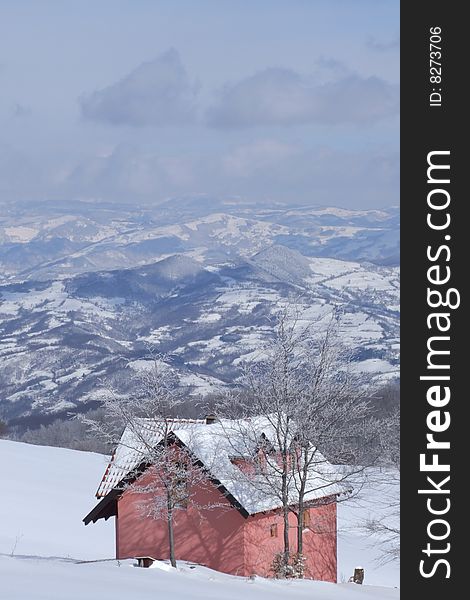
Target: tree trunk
[
  {"x": 300, "y": 530},
  {"x": 304, "y": 472},
  {"x": 171, "y": 533},
  {"x": 286, "y": 531},
  {"x": 285, "y": 504},
  {"x": 171, "y": 538}
]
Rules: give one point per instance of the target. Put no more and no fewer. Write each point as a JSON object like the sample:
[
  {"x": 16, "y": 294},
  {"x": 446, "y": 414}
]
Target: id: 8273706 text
[{"x": 435, "y": 66}]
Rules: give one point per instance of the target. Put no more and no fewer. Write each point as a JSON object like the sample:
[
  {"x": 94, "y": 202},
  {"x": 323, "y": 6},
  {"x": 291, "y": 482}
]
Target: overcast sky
[{"x": 142, "y": 100}]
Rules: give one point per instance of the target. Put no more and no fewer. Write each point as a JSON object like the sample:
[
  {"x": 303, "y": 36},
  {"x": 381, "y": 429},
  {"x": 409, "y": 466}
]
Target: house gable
[
  {"x": 212, "y": 536},
  {"x": 107, "y": 507}
]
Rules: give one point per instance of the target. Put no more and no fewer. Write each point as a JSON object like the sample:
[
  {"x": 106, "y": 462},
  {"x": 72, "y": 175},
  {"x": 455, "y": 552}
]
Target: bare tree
[
  {"x": 165, "y": 475},
  {"x": 304, "y": 387},
  {"x": 70, "y": 433},
  {"x": 333, "y": 420},
  {"x": 267, "y": 388}
]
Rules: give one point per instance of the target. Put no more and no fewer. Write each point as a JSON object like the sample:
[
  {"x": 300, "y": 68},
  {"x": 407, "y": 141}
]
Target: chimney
[{"x": 210, "y": 419}]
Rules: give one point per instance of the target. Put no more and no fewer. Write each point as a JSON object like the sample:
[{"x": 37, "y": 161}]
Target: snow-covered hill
[
  {"x": 43, "y": 544},
  {"x": 49, "y": 241},
  {"x": 45, "y": 494},
  {"x": 60, "y": 340},
  {"x": 85, "y": 290},
  {"x": 52, "y": 579}
]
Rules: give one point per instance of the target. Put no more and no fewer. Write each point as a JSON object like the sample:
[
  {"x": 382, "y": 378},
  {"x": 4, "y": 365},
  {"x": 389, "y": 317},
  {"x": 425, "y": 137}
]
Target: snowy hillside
[
  {"x": 43, "y": 543},
  {"x": 47, "y": 241},
  {"x": 37, "y": 579},
  {"x": 59, "y": 340},
  {"x": 84, "y": 291},
  {"x": 44, "y": 493}
]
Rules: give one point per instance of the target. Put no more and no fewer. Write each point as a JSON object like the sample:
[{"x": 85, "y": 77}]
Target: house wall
[
  {"x": 214, "y": 538},
  {"x": 260, "y": 547},
  {"x": 319, "y": 542},
  {"x": 222, "y": 539}
]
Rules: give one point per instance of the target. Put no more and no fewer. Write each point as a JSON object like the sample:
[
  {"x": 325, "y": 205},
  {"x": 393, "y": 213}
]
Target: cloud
[
  {"x": 156, "y": 93},
  {"x": 21, "y": 176},
  {"x": 129, "y": 172},
  {"x": 321, "y": 175},
  {"x": 263, "y": 170},
  {"x": 20, "y": 111},
  {"x": 248, "y": 159},
  {"x": 382, "y": 46},
  {"x": 278, "y": 96}
]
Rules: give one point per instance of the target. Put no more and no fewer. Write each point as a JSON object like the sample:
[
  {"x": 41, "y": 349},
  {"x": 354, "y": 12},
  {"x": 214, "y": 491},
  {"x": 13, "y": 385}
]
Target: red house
[{"x": 233, "y": 526}]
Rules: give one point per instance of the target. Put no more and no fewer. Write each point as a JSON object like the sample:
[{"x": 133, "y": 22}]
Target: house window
[
  {"x": 273, "y": 530},
  {"x": 306, "y": 518}
]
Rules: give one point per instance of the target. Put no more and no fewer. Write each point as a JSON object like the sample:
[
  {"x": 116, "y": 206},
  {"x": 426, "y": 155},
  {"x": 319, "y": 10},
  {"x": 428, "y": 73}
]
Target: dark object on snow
[
  {"x": 145, "y": 561},
  {"x": 358, "y": 576}
]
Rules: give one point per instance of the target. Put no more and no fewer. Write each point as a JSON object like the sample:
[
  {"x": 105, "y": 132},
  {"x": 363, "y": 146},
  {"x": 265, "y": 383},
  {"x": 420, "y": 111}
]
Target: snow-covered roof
[
  {"x": 216, "y": 445},
  {"x": 133, "y": 448}
]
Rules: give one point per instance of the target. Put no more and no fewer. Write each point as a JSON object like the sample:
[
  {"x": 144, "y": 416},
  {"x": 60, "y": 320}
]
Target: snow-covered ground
[
  {"x": 46, "y": 492},
  {"x": 37, "y": 579}
]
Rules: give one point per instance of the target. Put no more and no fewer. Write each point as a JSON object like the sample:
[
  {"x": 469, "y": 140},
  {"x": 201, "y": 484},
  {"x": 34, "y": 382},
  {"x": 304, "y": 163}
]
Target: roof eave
[{"x": 106, "y": 508}]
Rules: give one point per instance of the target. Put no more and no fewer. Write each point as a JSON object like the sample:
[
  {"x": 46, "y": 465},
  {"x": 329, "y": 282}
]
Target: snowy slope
[
  {"x": 59, "y": 340},
  {"x": 45, "y": 494},
  {"x": 380, "y": 491},
  {"x": 36, "y": 579}
]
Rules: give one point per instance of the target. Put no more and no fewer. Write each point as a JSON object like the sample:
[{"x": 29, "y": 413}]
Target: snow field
[{"x": 47, "y": 491}]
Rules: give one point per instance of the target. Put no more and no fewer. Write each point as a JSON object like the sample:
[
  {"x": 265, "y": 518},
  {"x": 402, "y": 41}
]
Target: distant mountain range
[{"x": 87, "y": 290}]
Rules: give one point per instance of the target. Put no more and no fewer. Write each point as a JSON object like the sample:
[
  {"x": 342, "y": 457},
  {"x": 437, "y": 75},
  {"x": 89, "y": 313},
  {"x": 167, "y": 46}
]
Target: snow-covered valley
[{"x": 195, "y": 284}]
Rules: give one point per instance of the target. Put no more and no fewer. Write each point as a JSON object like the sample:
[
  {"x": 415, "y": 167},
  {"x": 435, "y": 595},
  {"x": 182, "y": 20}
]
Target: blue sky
[{"x": 141, "y": 100}]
